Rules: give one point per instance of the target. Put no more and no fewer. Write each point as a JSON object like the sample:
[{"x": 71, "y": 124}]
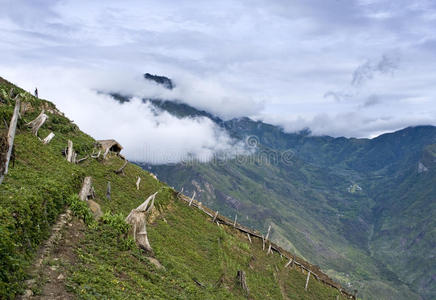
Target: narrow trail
[{"x": 49, "y": 271}]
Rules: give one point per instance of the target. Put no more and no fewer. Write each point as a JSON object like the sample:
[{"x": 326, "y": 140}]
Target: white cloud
[
  {"x": 146, "y": 134},
  {"x": 265, "y": 58}
]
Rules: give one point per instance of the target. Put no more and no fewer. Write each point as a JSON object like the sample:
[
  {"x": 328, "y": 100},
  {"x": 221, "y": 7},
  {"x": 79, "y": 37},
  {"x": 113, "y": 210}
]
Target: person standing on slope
[{"x": 36, "y": 92}]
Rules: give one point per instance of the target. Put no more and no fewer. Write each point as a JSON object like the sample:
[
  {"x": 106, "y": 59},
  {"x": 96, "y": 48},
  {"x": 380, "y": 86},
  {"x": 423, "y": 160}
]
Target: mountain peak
[{"x": 162, "y": 80}]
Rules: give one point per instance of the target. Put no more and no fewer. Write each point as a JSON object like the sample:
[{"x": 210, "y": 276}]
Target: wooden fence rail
[{"x": 303, "y": 265}]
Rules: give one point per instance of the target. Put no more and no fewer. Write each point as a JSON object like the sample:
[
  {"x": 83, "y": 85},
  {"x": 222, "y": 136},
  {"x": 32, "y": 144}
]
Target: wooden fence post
[
  {"x": 192, "y": 199},
  {"x": 263, "y": 243},
  {"x": 288, "y": 263},
  {"x": 236, "y": 218},
  {"x": 307, "y": 280},
  {"x": 249, "y": 238},
  {"x": 267, "y": 234}
]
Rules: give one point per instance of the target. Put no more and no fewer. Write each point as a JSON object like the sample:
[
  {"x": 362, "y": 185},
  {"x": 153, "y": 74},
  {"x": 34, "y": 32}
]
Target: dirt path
[{"x": 50, "y": 268}]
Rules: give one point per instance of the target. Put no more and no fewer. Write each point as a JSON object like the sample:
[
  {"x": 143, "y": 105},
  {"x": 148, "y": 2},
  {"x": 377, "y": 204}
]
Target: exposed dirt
[{"x": 50, "y": 268}]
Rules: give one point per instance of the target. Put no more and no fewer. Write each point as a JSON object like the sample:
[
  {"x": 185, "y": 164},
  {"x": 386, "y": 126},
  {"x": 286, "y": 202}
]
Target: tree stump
[
  {"x": 10, "y": 139},
  {"x": 70, "y": 152},
  {"x": 108, "y": 190},
  {"x": 38, "y": 122},
  {"x": 86, "y": 190},
  {"x": 49, "y": 137},
  {"x": 137, "y": 218},
  {"x": 242, "y": 281}
]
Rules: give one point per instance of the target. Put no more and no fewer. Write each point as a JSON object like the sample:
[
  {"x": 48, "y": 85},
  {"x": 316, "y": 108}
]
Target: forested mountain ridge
[
  {"x": 363, "y": 209},
  {"x": 57, "y": 243}
]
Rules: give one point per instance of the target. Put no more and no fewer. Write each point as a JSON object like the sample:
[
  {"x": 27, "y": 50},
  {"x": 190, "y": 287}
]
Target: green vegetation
[
  {"x": 379, "y": 239},
  {"x": 199, "y": 258}
]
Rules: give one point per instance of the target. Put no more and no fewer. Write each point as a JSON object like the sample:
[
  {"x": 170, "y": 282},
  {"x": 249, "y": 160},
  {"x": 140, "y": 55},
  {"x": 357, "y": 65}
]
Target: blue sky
[{"x": 340, "y": 67}]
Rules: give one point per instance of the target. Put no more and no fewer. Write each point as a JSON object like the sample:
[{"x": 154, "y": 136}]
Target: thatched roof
[{"x": 113, "y": 145}]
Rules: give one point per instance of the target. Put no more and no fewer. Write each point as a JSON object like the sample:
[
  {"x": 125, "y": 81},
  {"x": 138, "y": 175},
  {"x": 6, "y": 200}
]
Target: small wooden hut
[{"x": 112, "y": 145}]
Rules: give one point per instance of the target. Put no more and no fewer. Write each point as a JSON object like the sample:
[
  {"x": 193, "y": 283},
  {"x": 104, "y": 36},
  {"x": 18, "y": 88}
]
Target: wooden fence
[{"x": 293, "y": 260}]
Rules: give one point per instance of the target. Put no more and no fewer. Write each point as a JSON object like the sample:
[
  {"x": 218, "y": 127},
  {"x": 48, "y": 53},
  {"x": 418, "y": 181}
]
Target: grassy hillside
[
  {"x": 314, "y": 217},
  {"x": 98, "y": 259},
  {"x": 358, "y": 236}
]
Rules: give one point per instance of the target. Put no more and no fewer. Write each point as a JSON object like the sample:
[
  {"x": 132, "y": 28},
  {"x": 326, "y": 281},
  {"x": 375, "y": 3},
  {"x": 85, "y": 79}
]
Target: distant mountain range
[{"x": 363, "y": 209}]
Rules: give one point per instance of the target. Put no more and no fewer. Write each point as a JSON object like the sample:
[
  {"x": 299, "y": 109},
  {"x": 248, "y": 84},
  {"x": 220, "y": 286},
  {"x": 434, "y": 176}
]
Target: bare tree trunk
[
  {"x": 49, "y": 137},
  {"x": 86, "y": 188},
  {"x": 142, "y": 238},
  {"x": 38, "y": 122},
  {"x": 82, "y": 159},
  {"x": 138, "y": 182},
  {"x": 144, "y": 206},
  {"x": 106, "y": 153},
  {"x": 96, "y": 155},
  {"x": 11, "y": 93},
  {"x": 243, "y": 281},
  {"x": 121, "y": 170},
  {"x": 307, "y": 280},
  {"x": 10, "y": 138},
  {"x": 70, "y": 152},
  {"x": 108, "y": 190},
  {"x": 137, "y": 218},
  {"x": 150, "y": 207}
]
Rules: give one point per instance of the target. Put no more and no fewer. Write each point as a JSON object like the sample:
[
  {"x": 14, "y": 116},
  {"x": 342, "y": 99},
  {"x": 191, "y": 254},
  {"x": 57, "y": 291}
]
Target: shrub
[
  {"x": 80, "y": 209},
  {"x": 116, "y": 222}
]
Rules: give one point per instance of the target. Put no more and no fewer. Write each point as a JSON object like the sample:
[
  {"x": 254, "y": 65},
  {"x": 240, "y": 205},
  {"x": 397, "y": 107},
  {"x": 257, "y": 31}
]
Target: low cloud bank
[{"x": 147, "y": 134}]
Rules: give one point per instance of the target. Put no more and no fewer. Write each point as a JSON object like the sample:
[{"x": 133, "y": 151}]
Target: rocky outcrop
[{"x": 162, "y": 80}]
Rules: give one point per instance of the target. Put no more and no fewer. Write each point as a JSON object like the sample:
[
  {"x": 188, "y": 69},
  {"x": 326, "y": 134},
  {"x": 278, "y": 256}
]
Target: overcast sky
[{"x": 340, "y": 67}]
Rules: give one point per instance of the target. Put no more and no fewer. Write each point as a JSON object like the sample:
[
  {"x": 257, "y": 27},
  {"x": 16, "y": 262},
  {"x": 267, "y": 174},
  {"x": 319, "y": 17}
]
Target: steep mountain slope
[
  {"x": 363, "y": 209},
  {"x": 192, "y": 258},
  {"x": 349, "y": 226}
]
